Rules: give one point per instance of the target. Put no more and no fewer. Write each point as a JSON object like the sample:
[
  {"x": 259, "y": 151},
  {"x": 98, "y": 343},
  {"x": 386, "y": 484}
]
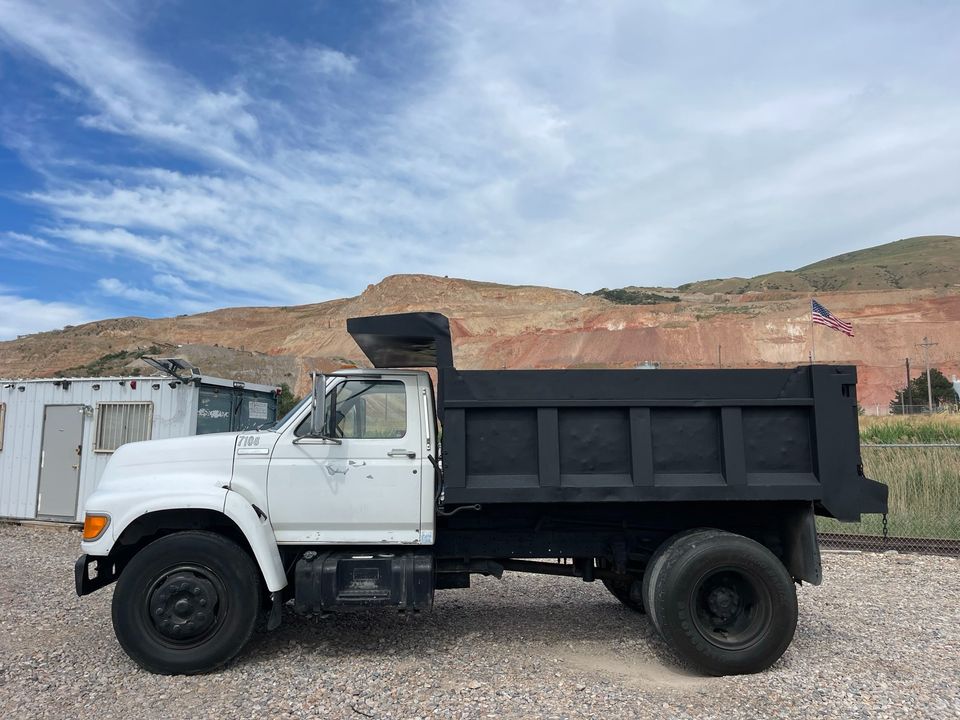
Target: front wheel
[{"x": 186, "y": 603}]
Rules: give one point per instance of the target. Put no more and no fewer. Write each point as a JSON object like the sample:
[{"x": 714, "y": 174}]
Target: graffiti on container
[{"x": 216, "y": 414}]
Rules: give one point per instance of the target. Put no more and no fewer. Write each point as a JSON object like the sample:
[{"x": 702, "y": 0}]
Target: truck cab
[
  {"x": 366, "y": 480},
  {"x": 365, "y": 477}
]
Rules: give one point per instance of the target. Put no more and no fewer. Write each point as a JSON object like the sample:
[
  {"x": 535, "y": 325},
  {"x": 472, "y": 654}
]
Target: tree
[
  {"x": 943, "y": 392},
  {"x": 286, "y": 401}
]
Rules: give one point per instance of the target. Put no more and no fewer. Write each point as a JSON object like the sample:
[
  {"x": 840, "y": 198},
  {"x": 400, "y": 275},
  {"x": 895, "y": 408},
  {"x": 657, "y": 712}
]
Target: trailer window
[{"x": 122, "y": 422}]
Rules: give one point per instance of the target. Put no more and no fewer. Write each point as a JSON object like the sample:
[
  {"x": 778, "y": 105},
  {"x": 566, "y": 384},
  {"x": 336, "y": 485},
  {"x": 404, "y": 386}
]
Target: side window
[
  {"x": 365, "y": 409},
  {"x": 371, "y": 409}
]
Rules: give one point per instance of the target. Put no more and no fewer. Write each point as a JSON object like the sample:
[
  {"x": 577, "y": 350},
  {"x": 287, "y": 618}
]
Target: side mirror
[{"x": 318, "y": 413}]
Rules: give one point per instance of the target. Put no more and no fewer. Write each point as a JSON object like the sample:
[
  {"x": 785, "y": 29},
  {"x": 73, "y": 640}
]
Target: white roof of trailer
[
  {"x": 222, "y": 382},
  {"x": 204, "y": 380}
]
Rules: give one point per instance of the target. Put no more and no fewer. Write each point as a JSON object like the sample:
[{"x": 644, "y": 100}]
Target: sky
[{"x": 171, "y": 157}]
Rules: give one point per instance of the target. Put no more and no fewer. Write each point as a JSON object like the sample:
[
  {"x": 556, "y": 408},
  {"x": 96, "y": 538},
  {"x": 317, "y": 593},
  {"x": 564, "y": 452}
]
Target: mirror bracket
[{"x": 318, "y": 411}]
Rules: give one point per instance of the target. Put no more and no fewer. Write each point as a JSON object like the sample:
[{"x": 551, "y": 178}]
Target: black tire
[
  {"x": 627, "y": 591},
  {"x": 186, "y": 603},
  {"x": 724, "y": 603},
  {"x": 655, "y": 564}
]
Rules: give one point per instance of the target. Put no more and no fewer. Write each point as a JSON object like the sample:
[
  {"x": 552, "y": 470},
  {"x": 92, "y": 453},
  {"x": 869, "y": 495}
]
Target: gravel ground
[{"x": 880, "y": 639}]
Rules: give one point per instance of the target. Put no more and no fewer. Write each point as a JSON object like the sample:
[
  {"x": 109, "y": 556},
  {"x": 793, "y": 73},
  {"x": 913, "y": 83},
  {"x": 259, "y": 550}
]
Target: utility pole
[
  {"x": 909, "y": 392},
  {"x": 926, "y": 344}
]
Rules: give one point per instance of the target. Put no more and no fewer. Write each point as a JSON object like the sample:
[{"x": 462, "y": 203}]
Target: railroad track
[{"x": 877, "y": 543}]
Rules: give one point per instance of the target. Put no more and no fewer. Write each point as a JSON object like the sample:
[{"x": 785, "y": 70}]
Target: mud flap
[
  {"x": 802, "y": 550},
  {"x": 276, "y": 611}
]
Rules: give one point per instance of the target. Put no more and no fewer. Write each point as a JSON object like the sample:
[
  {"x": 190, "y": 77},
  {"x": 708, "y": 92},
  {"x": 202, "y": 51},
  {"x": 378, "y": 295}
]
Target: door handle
[{"x": 402, "y": 453}]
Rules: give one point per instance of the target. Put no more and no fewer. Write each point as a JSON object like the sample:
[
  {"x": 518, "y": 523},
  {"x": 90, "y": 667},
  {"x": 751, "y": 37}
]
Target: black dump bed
[{"x": 549, "y": 436}]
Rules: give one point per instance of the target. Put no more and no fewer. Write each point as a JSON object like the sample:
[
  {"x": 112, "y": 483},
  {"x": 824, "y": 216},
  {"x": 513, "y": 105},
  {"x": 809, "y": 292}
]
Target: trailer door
[
  {"x": 365, "y": 488},
  {"x": 60, "y": 461}
]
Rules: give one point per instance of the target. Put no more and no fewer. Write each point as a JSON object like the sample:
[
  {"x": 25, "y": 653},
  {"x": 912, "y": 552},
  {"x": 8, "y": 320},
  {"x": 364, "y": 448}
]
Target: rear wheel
[
  {"x": 724, "y": 603},
  {"x": 628, "y": 589},
  {"x": 186, "y": 603},
  {"x": 652, "y": 571}
]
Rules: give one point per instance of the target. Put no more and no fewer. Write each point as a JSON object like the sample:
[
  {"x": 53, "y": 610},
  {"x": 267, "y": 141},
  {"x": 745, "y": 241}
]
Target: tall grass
[
  {"x": 910, "y": 429},
  {"x": 924, "y": 485}
]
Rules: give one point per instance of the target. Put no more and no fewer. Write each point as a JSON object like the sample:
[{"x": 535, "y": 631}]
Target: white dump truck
[{"x": 690, "y": 494}]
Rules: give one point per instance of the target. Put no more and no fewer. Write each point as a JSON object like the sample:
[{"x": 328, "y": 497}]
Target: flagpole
[{"x": 813, "y": 339}]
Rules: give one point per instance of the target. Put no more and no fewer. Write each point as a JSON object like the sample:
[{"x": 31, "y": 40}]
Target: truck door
[{"x": 363, "y": 488}]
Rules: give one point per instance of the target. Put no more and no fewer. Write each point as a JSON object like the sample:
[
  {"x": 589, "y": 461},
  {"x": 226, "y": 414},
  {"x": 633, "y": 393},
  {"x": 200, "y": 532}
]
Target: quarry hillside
[{"x": 894, "y": 294}]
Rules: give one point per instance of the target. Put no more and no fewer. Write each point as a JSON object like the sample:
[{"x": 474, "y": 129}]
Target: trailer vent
[{"x": 119, "y": 423}]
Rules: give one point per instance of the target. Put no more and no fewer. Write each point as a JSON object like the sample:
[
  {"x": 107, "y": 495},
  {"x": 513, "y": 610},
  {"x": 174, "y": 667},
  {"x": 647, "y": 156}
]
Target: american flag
[{"x": 824, "y": 317}]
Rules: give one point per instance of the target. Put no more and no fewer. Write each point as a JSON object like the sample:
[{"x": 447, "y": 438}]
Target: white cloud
[
  {"x": 131, "y": 92},
  {"x": 170, "y": 295},
  {"x": 583, "y": 147},
  {"x": 22, "y": 315},
  {"x": 118, "y": 288},
  {"x": 176, "y": 286},
  {"x": 274, "y": 54}
]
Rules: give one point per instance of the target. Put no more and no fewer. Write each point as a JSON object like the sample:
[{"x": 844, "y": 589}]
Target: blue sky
[{"x": 172, "y": 157}]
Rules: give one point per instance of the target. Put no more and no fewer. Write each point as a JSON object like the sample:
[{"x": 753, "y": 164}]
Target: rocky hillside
[
  {"x": 501, "y": 326},
  {"x": 931, "y": 261}
]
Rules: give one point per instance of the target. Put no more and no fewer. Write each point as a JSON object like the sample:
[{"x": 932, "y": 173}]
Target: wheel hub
[
  {"x": 183, "y": 606},
  {"x": 731, "y": 608},
  {"x": 724, "y": 602}
]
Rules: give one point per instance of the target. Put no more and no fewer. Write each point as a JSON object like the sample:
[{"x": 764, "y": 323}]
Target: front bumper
[{"x": 105, "y": 572}]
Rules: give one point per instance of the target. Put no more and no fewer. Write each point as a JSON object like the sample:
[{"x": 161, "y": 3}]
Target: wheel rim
[
  {"x": 731, "y": 608},
  {"x": 186, "y": 605}
]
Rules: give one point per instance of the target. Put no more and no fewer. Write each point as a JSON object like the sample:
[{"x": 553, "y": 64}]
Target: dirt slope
[{"x": 497, "y": 326}]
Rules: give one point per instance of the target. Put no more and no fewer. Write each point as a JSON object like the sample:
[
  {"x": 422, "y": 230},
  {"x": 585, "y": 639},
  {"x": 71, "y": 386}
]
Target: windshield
[{"x": 292, "y": 411}]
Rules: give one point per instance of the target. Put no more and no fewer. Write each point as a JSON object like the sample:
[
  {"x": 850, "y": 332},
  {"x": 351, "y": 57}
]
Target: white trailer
[{"x": 57, "y": 434}]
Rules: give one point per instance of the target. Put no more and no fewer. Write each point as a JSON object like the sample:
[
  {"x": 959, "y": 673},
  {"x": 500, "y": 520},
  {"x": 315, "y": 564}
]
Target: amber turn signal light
[{"x": 94, "y": 525}]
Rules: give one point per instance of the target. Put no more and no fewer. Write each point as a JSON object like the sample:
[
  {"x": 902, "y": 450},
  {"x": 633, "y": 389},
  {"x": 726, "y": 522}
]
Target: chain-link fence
[
  {"x": 918, "y": 408},
  {"x": 924, "y": 501}
]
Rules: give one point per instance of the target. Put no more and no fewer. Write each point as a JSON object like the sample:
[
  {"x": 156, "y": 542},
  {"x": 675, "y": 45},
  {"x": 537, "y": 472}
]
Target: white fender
[
  {"x": 259, "y": 533},
  {"x": 179, "y": 474}
]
